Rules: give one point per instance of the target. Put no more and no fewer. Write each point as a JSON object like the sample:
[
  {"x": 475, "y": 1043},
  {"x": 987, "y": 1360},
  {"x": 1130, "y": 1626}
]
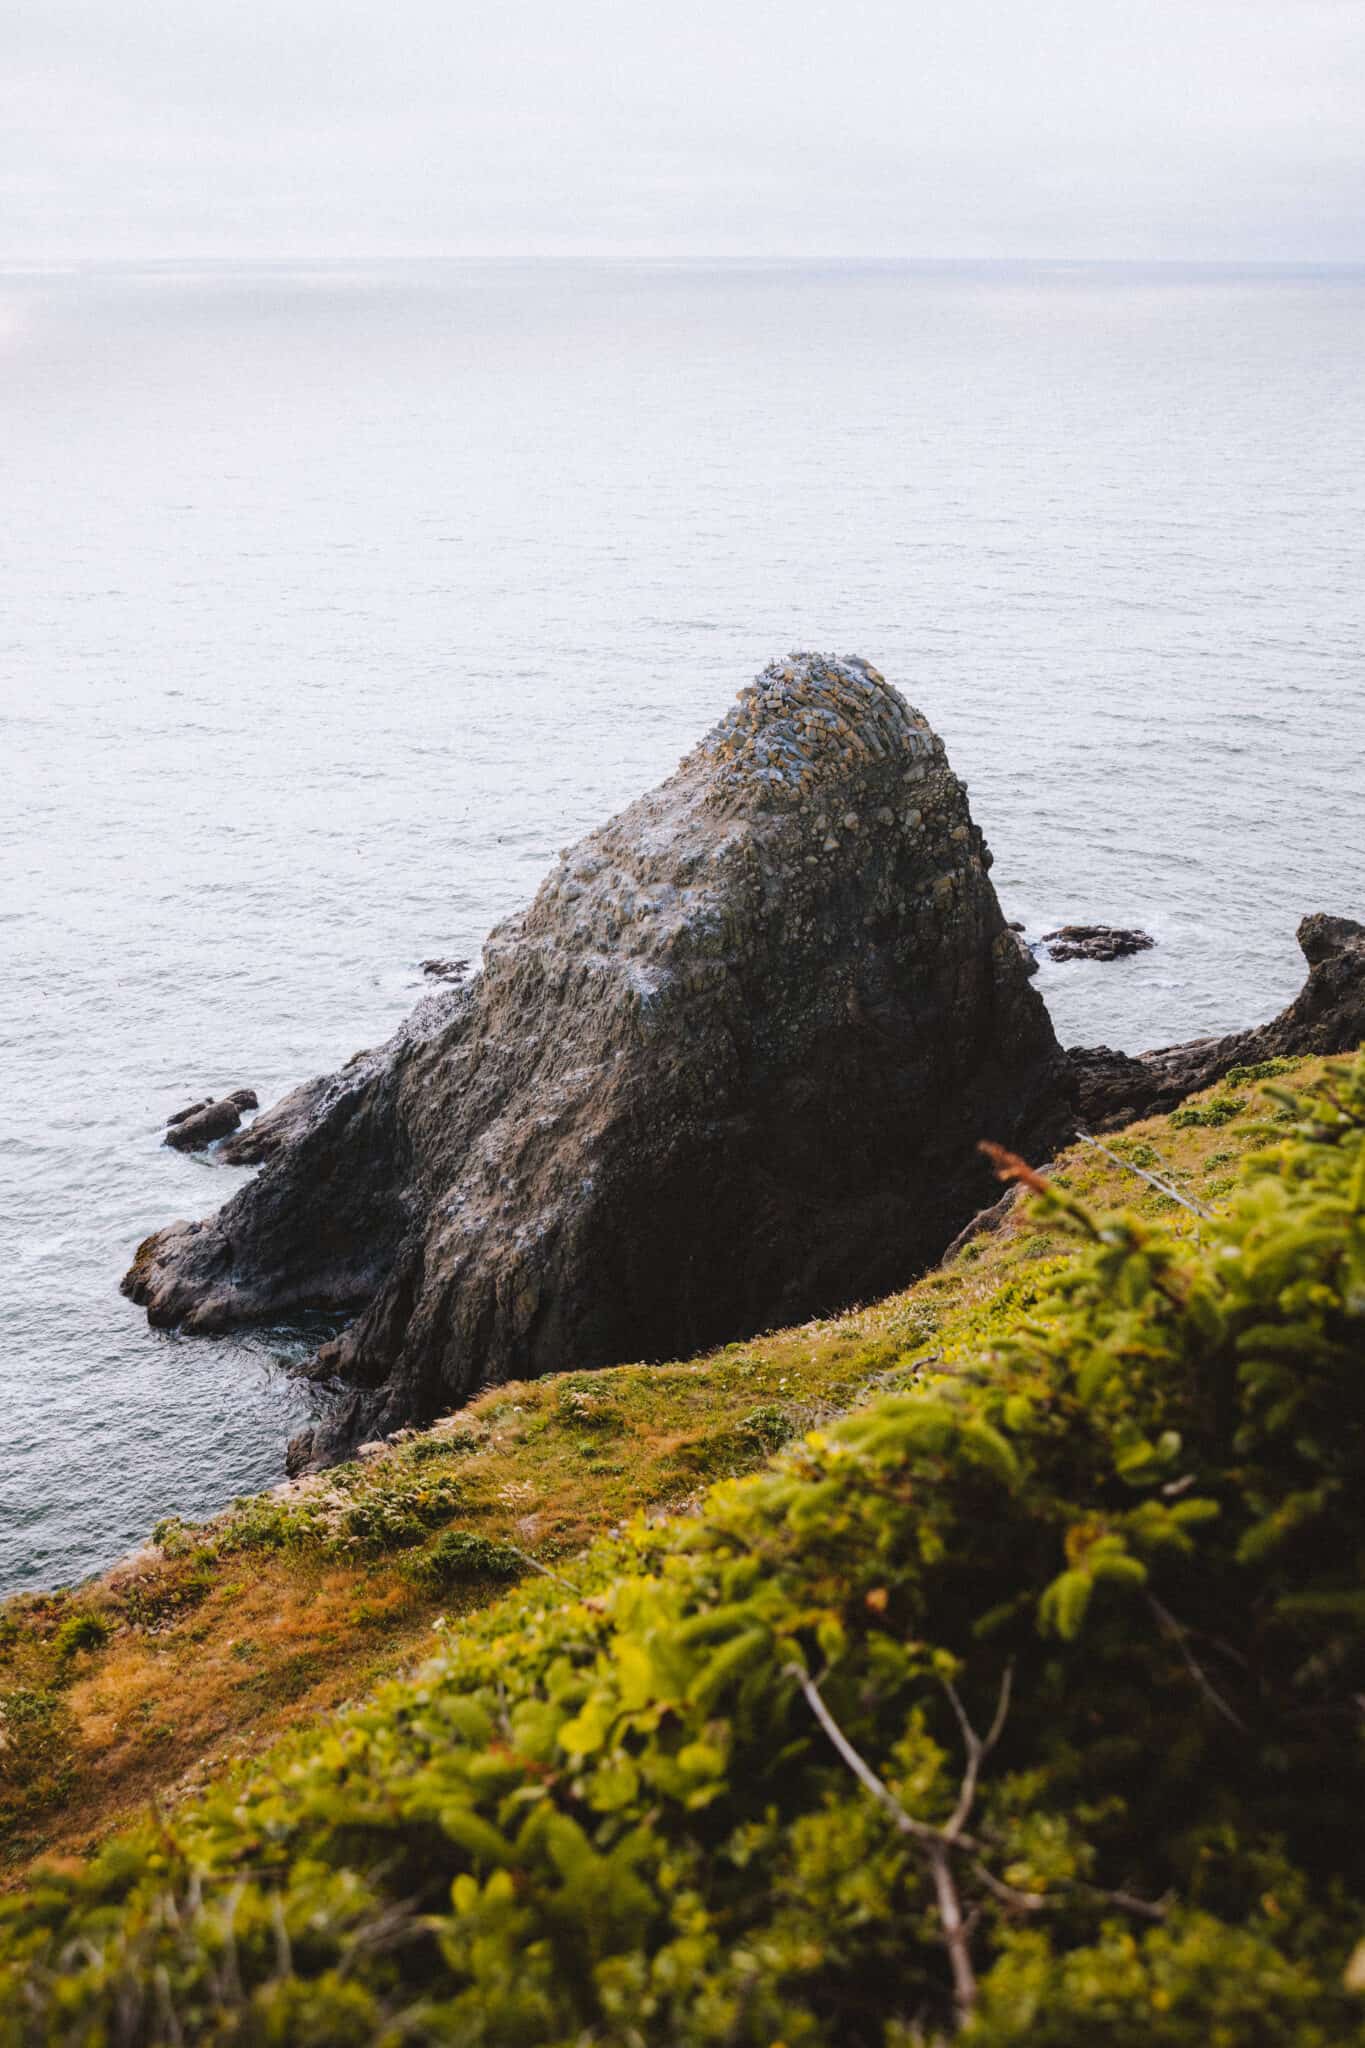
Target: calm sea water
[{"x": 334, "y": 601}]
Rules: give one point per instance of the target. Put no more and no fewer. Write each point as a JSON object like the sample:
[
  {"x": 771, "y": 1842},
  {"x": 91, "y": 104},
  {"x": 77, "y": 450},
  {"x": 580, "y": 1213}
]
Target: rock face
[
  {"x": 728, "y": 1070},
  {"x": 1327, "y": 1015},
  {"x": 1096, "y": 942}
]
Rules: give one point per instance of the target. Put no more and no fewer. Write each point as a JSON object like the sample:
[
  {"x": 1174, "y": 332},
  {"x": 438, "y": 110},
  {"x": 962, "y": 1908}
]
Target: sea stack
[{"x": 727, "y": 1071}]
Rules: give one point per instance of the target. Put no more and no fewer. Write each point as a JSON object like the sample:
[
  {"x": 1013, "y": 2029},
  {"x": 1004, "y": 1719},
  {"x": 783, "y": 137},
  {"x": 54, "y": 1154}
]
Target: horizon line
[{"x": 32, "y": 263}]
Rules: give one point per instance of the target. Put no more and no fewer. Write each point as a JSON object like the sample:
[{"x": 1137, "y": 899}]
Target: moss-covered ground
[{"x": 128, "y": 1692}]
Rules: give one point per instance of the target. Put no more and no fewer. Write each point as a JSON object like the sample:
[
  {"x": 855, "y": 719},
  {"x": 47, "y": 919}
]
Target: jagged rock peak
[{"x": 804, "y": 724}]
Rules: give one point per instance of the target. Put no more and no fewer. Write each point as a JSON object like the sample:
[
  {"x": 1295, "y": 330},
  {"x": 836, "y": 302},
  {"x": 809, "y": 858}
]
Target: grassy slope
[{"x": 208, "y": 1647}]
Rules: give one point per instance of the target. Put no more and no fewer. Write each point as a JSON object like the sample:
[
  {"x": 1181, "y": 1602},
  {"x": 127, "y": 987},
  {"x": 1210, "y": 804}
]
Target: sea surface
[{"x": 334, "y": 600}]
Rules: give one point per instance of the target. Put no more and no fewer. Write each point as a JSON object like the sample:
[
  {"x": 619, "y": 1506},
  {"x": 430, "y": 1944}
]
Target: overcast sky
[{"x": 1220, "y": 129}]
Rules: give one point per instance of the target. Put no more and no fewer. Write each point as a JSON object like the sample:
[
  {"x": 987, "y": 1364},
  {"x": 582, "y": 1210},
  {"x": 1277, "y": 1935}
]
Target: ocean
[{"x": 335, "y": 599}]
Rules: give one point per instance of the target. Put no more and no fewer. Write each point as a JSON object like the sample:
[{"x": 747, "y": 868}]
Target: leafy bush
[
  {"x": 1259, "y": 1070},
  {"x": 81, "y": 1632},
  {"x": 1022, "y": 1704},
  {"x": 359, "y": 1511},
  {"x": 454, "y": 1443},
  {"x": 458, "y": 1557},
  {"x": 1213, "y": 1114}
]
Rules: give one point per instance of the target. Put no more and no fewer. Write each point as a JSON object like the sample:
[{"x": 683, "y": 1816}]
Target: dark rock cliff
[{"x": 728, "y": 1070}]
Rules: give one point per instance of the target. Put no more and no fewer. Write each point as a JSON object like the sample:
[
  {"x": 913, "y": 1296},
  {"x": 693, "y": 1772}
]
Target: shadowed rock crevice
[{"x": 728, "y": 1070}]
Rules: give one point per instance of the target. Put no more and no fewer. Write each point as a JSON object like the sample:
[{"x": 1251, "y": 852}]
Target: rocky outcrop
[
  {"x": 1327, "y": 1015},
  {"x": 728, "y": 1070},
  {"x": 1096, "y": 942}
]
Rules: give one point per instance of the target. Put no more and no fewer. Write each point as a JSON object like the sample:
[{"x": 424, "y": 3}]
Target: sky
[{"x": 1204, "y": 130}]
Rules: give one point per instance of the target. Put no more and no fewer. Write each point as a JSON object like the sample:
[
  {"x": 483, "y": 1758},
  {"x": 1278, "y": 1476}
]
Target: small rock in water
[
  {"x": 196, "y": 1128},
  {"x": 181, "y": 1114},
  {"x": 1095, "y": 942},
  {"x": 245, "y": 1098},
  {"x": 445, "y": 970}
]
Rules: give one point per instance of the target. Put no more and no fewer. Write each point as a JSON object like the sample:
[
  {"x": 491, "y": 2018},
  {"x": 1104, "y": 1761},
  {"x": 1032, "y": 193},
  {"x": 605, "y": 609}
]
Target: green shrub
[
  {"x": 81, "y": 1632},
  {"x": 1023, "y": 1703},
  {"x": 1259, "y": 1070},
  {"x": 455, "y": 1443},
  {"x": 459, "y": 1557},
  {"x": 1213, "y": 1114}
]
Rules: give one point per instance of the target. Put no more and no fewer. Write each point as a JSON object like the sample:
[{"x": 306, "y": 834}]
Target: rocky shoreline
[{"x": 728, "y": 1070}]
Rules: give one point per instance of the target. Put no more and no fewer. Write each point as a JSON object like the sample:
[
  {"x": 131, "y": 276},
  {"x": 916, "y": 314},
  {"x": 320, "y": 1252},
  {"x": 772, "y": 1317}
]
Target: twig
[
  {"x": 977, "y": 1749},
  {"x": 1154, "y": 1180},
  {"x": 940, "y": 1844},
  {"x": 1038, "y": 1902},
  {"x": 937, "y": 1843},
  {"x": 1128, "y": 1902},
  {"x": 1179, "y": 1635},
  {"x": 862, "y": 1771},
  {"x": 537, "y": 1566},
  {"x": 956, "y": 1934},
  {"x": 1008, "y": 1894}
]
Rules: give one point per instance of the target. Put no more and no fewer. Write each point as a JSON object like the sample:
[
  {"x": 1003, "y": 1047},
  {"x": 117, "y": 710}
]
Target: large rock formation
[
  {"x": 728, "y": 1070},
  {"x": 1327, "y": 1015}
]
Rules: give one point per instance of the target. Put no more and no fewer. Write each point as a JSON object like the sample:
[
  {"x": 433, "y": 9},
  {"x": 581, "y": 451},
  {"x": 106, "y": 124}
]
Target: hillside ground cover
[{"x": 651, "y": 1761}]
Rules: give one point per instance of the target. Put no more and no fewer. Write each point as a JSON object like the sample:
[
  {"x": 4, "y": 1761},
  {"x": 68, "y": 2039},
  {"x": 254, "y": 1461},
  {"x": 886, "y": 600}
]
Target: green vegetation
[
  {"x": 458, "y": 1557},
  {"x": 80, "y": 1632},
  {"x": 1208, "y": 1111},
  {"x": 1022, "y": 1703}
]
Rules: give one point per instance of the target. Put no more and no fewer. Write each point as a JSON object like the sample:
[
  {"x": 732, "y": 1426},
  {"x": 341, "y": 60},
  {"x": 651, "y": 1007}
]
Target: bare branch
[
  {"x": 861, "y": 1770},
  {"x": 1128, "y": 1902},
  {"x": 938, "y": 1843},
  {"x": 1002, "y": 1708},
  {"x": 1038, "y": 1902},
  {"x": 956, "y": 1935},
  {"x": 1008, "y": 1894},
  {"x": 977, "y": 1749},
  {"x": 1154, "y": 1180},
  {"x": 1179, "y": 1635},
  {"x": 544, "y": 1569}
]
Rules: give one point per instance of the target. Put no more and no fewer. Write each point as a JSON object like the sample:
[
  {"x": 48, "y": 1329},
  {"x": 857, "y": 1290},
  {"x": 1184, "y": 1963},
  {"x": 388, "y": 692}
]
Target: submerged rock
[
  {"x": 1327, "y": 1015},
  {"x": 727, "y": 1071},
  {"x": 1096, "y": 942}
]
